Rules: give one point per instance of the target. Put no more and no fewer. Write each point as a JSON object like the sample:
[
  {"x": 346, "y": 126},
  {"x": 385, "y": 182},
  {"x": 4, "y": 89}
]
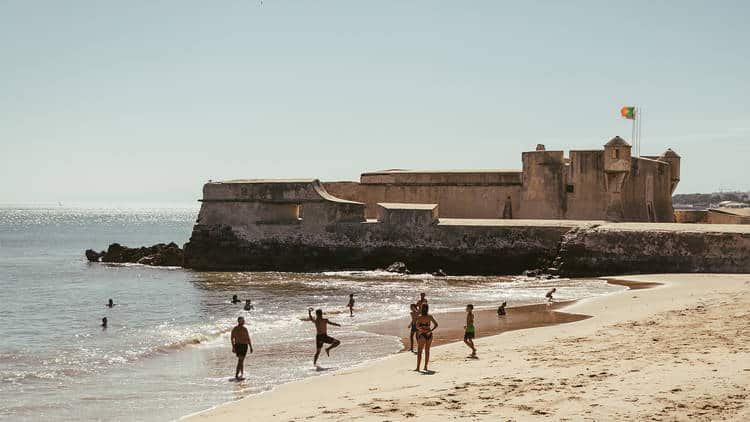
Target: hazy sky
[{"x": 146, "y": 100}]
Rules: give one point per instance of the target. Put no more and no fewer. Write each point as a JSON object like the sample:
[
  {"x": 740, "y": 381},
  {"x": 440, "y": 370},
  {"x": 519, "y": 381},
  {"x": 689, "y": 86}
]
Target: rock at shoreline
[
  {"x": 162, "y": 255},
  {"x": 398, "y": 267},
  {"x": 93, "y": 255}
]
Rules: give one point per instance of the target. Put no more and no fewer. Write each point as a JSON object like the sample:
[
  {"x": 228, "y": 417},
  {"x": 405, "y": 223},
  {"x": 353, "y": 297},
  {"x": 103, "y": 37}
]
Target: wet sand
[
  {"x": 679, "y": 351},
  {"x": 486, "y": 321}
]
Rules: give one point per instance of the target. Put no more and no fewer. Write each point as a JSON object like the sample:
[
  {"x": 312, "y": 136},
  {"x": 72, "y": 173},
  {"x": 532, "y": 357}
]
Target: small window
[
  {"x": 570, "y": 188},
  {"x": 616, "y": 153}
]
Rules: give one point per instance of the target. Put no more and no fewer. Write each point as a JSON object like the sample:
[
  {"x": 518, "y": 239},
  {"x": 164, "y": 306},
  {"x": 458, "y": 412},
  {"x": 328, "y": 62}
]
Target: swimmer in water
[
  {"x": 322, "y": 337},
  {"x": 104, "y": 322},
  {"x": 249, "y": 306},
  {"x": 110, "y": 304},
  {"x": 235, "y": 300}
]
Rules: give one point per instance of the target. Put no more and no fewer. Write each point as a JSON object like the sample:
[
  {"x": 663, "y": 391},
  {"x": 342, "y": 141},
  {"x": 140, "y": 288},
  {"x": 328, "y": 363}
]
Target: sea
[{"x": 166, "y": 350}]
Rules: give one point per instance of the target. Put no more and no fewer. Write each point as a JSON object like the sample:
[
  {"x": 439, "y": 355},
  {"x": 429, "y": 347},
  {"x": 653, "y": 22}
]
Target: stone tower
[
  {"x": 616, "y": 168},
  {"x": 673, "y": 159}
]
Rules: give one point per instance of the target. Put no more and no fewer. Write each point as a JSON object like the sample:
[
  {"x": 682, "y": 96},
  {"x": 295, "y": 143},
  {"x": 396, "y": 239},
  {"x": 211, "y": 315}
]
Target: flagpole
[{"x": 632, "y": 133}]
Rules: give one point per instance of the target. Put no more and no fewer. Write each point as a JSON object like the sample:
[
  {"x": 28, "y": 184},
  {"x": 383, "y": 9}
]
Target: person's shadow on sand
[
  {"x": 322, "y": 369},
  {"x": 428, "y": 372}
]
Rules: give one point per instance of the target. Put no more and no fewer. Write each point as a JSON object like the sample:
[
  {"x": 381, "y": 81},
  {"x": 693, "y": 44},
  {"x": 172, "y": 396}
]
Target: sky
[{"x": 148, "y": 100}]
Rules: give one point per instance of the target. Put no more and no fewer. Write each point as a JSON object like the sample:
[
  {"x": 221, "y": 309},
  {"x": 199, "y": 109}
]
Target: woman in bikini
[{"x": 425, "y": 328}]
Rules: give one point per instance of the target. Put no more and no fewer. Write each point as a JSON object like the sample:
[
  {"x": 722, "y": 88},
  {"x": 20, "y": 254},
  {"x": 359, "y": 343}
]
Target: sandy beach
[{"x": 678, "y": 350}]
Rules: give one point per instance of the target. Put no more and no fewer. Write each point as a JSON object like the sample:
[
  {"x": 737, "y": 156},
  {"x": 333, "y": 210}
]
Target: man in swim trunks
[
  {"x": 469, "y": 330},
  {"x": 240, "y": 343},
  {"x": 322, "y": 337},
  {"x": 350, "y": 305}
]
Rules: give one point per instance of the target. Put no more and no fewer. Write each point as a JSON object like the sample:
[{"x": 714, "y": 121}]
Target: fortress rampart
[{"x": 296, "y": 225}]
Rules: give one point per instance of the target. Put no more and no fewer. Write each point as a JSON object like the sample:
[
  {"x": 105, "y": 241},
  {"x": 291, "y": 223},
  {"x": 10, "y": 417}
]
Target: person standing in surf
[
  {"x": 413, "y": 325},
  {"x": 470, "y": 330},
  {"x": 322, "y": 337},
  {"x": 549, "y": 297},
  {"x": 350, "y": 305},
  {"x": 240, "y": 339},
  {"x": 422, "y": 300},
  {"x": 425, "y": 328}
]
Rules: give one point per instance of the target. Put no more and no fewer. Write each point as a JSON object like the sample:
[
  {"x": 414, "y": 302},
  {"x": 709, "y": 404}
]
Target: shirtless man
[
  {"x": 350, "y": 305},
  {"x": 549, "y": 295},
  {"x": 240, "y": 343},
  {"x": 469, "y": 330},
  {"x": 321, "y": 326},
  {"x": 248, "y": 306},
  {"x": 422, "y": 300}
]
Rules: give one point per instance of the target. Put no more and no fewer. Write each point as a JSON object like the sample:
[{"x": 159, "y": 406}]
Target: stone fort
[{"x": 605, "y": 184}]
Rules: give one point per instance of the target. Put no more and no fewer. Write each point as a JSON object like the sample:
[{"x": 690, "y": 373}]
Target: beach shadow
[
  {"x": 428, "y": 372},
  {"x": 322, "y": 369}
]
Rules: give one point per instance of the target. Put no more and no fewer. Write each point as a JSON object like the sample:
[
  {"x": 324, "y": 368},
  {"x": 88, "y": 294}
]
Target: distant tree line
[{"x": 706, "y": 199}]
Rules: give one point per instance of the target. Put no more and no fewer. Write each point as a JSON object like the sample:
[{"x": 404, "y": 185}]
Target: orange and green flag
[{"x": 628, "y": 112}]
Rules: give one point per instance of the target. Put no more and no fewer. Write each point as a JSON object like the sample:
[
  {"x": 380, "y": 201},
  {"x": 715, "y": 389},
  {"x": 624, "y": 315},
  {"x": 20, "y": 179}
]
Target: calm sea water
[{"x": 166, "y": 352}]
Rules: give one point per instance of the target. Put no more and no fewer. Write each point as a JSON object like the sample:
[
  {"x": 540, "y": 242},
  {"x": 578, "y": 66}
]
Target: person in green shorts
[{"x": 470, "y": 330}]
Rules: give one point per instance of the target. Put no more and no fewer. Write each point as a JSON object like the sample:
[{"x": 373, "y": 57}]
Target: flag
[{"x": 628, "y": 112}]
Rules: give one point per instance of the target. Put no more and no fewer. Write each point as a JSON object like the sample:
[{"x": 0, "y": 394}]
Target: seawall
[{"x": 266, "y": 225}]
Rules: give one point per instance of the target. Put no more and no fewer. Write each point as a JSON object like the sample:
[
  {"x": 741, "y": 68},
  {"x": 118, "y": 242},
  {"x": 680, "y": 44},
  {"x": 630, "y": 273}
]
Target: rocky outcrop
[
  {"x": 398, "y": 267},
  {"x": 168, "y": 255}
]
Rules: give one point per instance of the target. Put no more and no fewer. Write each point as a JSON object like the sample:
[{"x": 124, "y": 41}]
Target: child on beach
[
  {"x": 350, "y": 305},
  {"x": 413, "y": 325},
  {"x": 322, "y": 337},
  {"x": 549, "y": 297},
  {"x": 469, "y": 330},
  {"x": 501, "y": 309}
]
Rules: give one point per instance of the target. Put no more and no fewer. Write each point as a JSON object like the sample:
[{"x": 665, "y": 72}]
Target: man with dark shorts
[
  {"x": 240, "y": 343},
  {"x": 322, "y": 337}
]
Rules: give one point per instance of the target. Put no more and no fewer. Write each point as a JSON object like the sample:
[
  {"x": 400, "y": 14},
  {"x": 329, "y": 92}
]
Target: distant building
[{"x": 605, "y": 184}]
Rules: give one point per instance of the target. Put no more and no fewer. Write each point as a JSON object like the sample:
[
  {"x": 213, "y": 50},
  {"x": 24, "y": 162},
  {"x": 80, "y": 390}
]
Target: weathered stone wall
[
  {"x": 628, "y": 248},
  {"x": 648, "y": 182},
  {"x": 455, "y": 201}
]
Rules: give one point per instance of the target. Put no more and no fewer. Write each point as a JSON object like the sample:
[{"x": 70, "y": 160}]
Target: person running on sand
[
  {"x": 235, "y": 300},
  {"x": 501, "y": 309},
  {"x": 469, "y": 330},
  {"x": 322, "y": 337},
  {"x": 413, "y": 325},
  {"x": 240, "y": 339},
  {"x": 249, "y": 306},
  {"x": 549, "y": 295},
  {"x": 424, "y": 335},
  {"x": 350, "y": 305}
]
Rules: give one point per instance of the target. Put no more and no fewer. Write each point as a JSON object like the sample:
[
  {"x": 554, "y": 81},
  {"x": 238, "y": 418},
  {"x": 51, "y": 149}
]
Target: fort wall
[{"x": 265, "y": 225}]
